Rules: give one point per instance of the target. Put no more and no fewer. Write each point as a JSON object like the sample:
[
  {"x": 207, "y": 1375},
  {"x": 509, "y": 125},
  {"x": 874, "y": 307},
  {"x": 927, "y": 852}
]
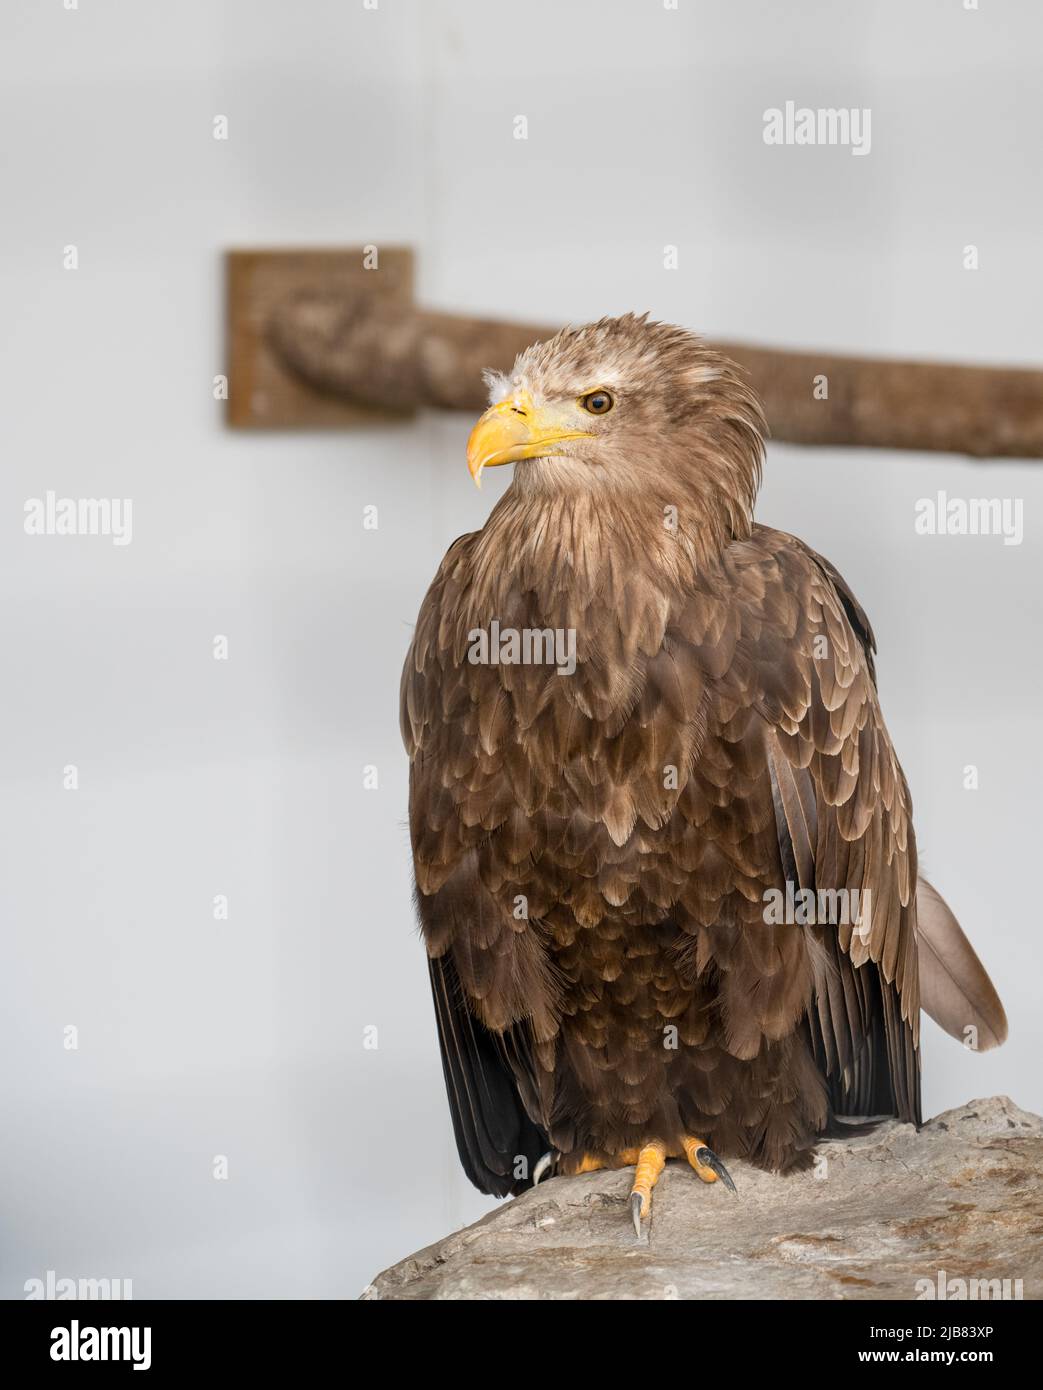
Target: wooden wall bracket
[{"x": 263, "y": 393}]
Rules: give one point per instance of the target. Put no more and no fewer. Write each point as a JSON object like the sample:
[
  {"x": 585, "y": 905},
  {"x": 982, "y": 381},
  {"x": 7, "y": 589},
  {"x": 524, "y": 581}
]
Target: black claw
[
  {"x": 547, "y": 1163},
  {"x": 709, "y": 1159},
  {"x": 635, "y": 1212}
]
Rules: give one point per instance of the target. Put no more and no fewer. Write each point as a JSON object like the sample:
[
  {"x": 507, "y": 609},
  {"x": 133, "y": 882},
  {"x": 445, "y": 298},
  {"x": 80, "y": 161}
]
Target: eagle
[{"x": 664, "y": 857}]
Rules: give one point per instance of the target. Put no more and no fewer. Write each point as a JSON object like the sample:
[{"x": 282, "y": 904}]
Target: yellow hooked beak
[{"x": 514, "y": 429}]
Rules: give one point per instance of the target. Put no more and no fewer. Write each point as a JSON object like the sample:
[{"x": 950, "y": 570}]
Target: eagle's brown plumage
[{"x": 592, "y": 851}]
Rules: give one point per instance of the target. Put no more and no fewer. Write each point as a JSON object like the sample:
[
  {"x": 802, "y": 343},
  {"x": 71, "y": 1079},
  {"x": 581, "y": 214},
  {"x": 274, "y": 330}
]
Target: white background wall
[{"x": 197, "y": 777}]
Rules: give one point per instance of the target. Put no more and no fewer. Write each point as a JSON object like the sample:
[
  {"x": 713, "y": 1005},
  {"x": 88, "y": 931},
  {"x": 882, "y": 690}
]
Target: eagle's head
[{"x": 625, "y": 408}]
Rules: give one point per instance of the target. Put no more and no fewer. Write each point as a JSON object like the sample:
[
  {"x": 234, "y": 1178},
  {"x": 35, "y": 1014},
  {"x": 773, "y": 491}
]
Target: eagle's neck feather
[{"x": 571, "y": 548}]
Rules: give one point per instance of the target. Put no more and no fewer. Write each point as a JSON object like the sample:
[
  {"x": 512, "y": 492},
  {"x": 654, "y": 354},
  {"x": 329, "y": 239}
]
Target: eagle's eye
[{"x": 597, "y": 402}]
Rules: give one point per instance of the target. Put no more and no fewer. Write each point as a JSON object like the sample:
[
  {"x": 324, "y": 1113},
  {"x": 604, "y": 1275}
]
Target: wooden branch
[{"x": 397, "y": 357}]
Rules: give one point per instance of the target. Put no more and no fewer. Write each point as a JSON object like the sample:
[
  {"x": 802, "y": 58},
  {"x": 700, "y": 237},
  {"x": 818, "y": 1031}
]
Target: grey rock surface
[{"x": 878, "y": 1215}]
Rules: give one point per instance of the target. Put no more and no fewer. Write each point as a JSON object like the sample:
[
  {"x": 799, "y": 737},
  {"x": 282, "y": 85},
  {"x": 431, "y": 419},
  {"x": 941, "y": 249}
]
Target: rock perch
[{"x": 881, "y": 1216}]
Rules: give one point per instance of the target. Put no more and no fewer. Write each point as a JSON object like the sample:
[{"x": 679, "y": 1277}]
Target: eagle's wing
[
  {"x": 491, "y": 983},
  {"x": 492, "y": 1130},
  {"x": 955, "y": 989},
  {"x": 844, "y": 822},
  {"x": 843, "y": 815}
]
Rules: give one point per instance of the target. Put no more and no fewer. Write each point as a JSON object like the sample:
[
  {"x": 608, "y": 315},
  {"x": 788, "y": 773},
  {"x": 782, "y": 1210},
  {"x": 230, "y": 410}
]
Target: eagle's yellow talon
[
  {"x": 650, "y": 1163},
  {"x": 691, "y": 1149},
  {"x": 706, "y": 1163}
]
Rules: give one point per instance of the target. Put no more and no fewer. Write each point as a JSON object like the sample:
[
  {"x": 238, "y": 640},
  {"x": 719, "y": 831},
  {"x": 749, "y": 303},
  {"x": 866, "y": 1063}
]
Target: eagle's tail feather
[{"x": 955, "y": 988}]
